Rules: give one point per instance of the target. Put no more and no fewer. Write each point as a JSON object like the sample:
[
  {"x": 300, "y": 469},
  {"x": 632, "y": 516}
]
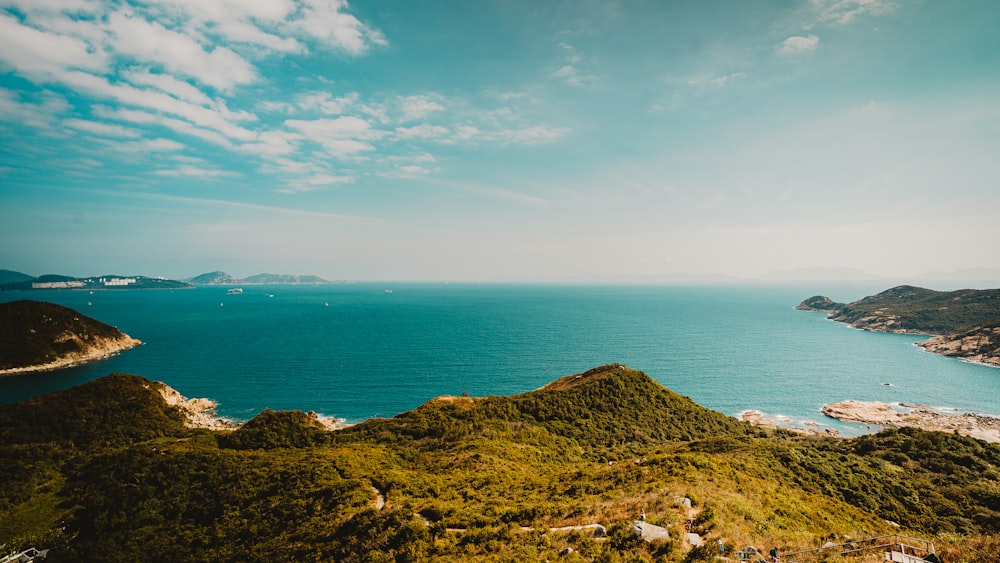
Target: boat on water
[
  {"x": 235, "y": 291},
  {"x": 388, "y": 291}
]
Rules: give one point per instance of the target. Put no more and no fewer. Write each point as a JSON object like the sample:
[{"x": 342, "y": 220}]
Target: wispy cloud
[
  {"x": 798, "y": 44},
  {"x": 843, "y": 12},
  {"x": 172, "y": 75}
]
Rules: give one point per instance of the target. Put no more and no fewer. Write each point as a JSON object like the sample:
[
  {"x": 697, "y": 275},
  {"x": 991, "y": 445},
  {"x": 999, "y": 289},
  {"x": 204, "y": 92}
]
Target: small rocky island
[
  {"x": 37, "y": 336},
  {"x": 964, "y": 323}
]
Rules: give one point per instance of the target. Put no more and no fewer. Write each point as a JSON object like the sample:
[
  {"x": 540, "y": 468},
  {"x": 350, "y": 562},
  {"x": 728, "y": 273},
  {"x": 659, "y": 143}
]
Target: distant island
[
  {"x": 36, "y": 336},
  {"x": 222, "y": 278},
  {"x": 964, "y": 323},
  {"x": 17, "y": 281}
]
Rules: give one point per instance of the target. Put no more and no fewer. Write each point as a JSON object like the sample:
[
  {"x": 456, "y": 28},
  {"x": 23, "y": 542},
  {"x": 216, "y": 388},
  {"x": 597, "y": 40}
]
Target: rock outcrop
[
  {"x": 980, "y": 426},
  {"x": 980, "y": 344}
]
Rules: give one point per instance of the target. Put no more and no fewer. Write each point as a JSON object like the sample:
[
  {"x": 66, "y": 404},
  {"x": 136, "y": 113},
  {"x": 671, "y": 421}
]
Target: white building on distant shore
[
  {"x": 118, "y": 282},
  {"x": 57, "y": 284}
]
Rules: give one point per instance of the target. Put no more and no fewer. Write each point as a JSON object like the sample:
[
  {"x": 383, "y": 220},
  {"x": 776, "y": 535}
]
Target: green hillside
[
  {"x": 35, "y": 333},
  {"x": 107, "y": 471},
  {"x": 914, "y": 309}
]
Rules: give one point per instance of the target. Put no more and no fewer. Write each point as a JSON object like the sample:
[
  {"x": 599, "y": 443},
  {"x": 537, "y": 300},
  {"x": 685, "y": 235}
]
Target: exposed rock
[
  {"x": 649, "y": 532},
  {"x": 200, "y": 413},
  {"x": 980, "y": 345},
  {"x": 983, "y": 427}
]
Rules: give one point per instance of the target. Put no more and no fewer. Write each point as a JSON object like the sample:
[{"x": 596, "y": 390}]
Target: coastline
[
  {"x": 910, "y": 415},
  {"x": 106, "y": 349},
  {"x": 200, "y": 412}
]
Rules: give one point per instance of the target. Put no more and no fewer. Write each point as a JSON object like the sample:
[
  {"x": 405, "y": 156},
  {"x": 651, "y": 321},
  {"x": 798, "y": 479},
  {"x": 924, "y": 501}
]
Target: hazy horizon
[{"x": 500, "y": 140}]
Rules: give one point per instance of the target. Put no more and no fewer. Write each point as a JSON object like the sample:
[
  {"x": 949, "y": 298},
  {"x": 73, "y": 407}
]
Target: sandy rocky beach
[
  {"x": 97, "y": 350},
  {"x": 890, "y": 415},
  {"x": 899, "y": 415},
  {"x": 200, "y": 412}
]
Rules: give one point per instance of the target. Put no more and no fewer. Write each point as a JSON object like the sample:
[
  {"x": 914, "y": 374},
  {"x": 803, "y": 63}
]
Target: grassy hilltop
[{"x": 109, "y": 471}]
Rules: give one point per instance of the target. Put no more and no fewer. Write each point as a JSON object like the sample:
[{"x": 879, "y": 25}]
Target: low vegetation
[
  {"x": 915, "y": 309},
  {"x": 107, "y": 471}
]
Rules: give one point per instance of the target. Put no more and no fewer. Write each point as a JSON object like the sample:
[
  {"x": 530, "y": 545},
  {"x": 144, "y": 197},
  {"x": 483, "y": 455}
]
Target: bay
[{"x": 356, "y": 351}]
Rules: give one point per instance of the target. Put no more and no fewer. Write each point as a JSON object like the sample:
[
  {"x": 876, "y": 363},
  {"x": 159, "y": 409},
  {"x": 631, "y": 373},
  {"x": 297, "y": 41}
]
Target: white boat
[{"x": 235, "y": 291}]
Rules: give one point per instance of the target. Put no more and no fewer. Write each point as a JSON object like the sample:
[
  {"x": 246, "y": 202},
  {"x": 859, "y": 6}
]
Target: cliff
[{"x": 37, "y": 336}]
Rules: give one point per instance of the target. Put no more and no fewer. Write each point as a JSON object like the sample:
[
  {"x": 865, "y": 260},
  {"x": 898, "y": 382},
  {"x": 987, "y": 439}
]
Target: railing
[{"x": 898, "y": 543}]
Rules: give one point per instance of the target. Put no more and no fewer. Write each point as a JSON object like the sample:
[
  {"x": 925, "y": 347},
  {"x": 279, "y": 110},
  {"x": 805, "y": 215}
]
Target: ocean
[{"x": 361, "y": 350}]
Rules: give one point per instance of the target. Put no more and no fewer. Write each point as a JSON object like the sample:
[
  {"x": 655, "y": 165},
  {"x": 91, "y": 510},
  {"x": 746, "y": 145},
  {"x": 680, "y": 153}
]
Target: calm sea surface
[{"x": 356, "y": 351}]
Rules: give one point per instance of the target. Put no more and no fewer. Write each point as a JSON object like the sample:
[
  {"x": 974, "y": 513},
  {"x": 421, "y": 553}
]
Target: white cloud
[
  {"x": 423, "y": 131},
  {"x": 102, "y": 129},
  {"x": 846, "y": 11},
  {"x": 418, "y": 107},
  {"x": 195, "y": 171},
  {"x": 326, "y": 103},
  {"x": 144, "y": 145},
  {"x": 221, "y": 68},
  {"x": 325, "y": 20},
  {"x": 798, "y": 44},
  {"x": 315, "y": 182},
  {"x": 42, "y": 55},
  {"x": 528, "y": 135},
  {"x": 40, "y": 115},
  {"x": 217, "y": 119},
  {"x": 168, "y": 84},
  {"x": 343, "y": 136},
  {"x": 178, "y": 125},
  {"x": 569, "y": 74},
  {"x": 273, "y": 144}
]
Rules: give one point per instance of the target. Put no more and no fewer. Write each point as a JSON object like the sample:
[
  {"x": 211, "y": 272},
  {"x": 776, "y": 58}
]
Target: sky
[{"x": 501, "y": 140}]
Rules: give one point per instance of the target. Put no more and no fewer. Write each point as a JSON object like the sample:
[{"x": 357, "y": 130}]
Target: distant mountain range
[{"x": 222, "y": 278}]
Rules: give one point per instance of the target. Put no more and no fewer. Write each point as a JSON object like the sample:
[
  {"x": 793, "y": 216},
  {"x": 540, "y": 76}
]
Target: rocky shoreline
[
  {"x": 809, "y": 428},
  {"x": 200, "y": 412},
  {"x": 964, "y": 324},
  {"x": 908, "y": 415},
  {"x": 98, "y": 350},
  {"x": 980, "y": 346}
]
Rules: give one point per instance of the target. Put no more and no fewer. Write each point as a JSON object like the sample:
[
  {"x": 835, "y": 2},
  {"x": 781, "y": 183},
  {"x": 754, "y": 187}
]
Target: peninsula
[
  {"x": 37, "y": 336},
  {"x": 964, "y": 323}
]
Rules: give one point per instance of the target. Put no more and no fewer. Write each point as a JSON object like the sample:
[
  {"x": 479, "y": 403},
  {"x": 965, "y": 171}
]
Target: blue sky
[{"x": 506, "y": 140}]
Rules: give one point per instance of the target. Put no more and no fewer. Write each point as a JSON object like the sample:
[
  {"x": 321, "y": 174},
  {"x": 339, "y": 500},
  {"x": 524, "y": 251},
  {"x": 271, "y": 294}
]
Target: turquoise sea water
[{"x": 355, "y": 351}]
